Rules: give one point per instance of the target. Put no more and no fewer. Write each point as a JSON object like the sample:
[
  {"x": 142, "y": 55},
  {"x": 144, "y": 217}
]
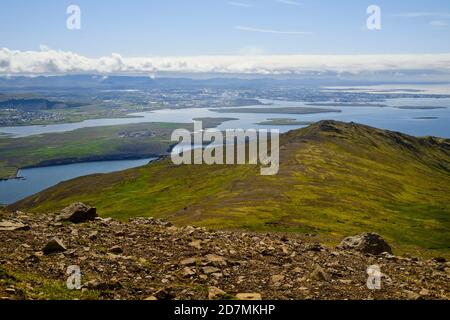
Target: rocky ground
[{"x": 151, "y": 259}]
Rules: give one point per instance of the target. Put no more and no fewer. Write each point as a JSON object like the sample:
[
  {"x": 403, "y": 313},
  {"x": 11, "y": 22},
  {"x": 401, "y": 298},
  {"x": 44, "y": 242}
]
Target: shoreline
[
  {"x": 62, "y": 162},
  {"x": 11, "y": 177},
  {"x": 131, "y": 115}
]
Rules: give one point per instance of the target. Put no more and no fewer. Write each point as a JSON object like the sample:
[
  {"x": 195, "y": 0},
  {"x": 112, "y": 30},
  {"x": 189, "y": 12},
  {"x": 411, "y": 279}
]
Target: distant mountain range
[{"x": 120, "y": 82}]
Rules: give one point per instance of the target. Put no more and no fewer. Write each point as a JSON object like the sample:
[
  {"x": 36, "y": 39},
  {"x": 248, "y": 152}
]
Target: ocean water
[{"x": 409, "y": 121}]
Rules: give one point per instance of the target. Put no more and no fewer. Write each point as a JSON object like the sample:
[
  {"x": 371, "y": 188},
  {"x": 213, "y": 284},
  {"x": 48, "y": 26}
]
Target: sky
[{"x": 193, "y": 28}]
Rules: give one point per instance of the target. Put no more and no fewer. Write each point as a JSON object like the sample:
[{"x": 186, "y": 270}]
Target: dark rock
[
  {"x": 93, "y": 235},
  {"x": 315, "y": 247},
  {"x": 103, "y": 285},
  {"x": 370, "y": 243},
  {"x": 10, "y": 290},
  {"x": 440, "y": 260},
  {"x": 78, "y": 213},
  {"x": 33, "y": 258},
  {"x": 164, "y": 294},
  {"x": 116, "y": 250},
  {"x": 54, "y": 246}
]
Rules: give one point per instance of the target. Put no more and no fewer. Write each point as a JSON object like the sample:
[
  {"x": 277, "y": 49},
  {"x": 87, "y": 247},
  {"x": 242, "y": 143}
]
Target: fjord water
[
  {"x": 417, "y": 122},
  {"x": 38, "y": 179}
]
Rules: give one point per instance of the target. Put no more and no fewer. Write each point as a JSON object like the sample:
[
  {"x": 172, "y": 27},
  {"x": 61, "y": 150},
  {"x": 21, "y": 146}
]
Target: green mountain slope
[
  {"x": 129, "y": 141},
  {"x": 336, "y": 179}
]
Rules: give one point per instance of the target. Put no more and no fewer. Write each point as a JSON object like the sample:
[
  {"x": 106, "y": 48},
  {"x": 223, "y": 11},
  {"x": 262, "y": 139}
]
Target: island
[
  {"x": 282, "y": 110},
  {"x": 214, "y": 120},
  {"x": 347, "y": 104},
  {"x": 425, "y": 118},
  {"x": 283, "y": 122},
  {"x": 419, "y": 107}
]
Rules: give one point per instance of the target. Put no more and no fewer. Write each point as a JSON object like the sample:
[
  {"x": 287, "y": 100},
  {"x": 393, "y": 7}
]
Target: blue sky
[{"x": 222, "y": 27}]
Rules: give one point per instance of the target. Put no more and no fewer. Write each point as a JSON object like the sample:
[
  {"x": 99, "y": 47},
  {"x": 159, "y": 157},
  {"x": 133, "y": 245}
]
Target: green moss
[{"x": 34, "y": 287}]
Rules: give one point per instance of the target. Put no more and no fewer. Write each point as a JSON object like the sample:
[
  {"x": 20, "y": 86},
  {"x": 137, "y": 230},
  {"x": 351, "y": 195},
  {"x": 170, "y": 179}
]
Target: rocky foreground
[{"x": 151, "y": 259}]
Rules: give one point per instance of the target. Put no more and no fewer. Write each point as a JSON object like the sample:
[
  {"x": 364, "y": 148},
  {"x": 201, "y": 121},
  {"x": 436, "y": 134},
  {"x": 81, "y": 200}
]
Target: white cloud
[
  {"x": 44, "y": 47},
  {"x": 240, "y": 4},
  {"x": 251, "y": 29},
  {"x": 64, "y": 62},
  {"x": 422, "y": 14},
  {"x": 439, "y": 23},
  {"x": 289, "y": 2}
]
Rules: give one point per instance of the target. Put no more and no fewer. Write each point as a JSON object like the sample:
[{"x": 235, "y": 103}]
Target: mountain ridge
[{"x": 335, "y": 179}]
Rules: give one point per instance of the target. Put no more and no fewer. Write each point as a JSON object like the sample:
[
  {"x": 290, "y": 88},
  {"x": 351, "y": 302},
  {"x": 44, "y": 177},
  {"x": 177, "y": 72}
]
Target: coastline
[
  {"x": 66, "y": 161},
  {"x": 11, "y": 177}
]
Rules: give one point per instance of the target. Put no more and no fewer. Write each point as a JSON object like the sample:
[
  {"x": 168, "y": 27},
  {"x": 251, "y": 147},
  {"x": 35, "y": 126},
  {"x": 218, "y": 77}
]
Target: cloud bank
[{"x": 49, "y": 61}]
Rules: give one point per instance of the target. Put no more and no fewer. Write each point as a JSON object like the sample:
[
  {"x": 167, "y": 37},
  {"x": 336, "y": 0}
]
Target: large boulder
[
  {"x": 78, "y": 213},
  {"x": 370, "y": 243}
]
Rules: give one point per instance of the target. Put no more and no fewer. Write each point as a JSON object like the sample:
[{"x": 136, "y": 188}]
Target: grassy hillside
[
  {"x": 335, "y": 180},
  {"x": 109, "y": 142}
]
